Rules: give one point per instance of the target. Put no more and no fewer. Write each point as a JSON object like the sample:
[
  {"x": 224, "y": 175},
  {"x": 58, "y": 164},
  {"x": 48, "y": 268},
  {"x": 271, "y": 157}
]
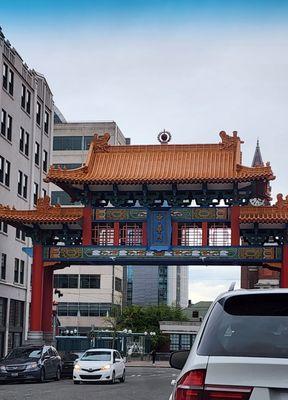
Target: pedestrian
[{"x": 153, "y": 355}]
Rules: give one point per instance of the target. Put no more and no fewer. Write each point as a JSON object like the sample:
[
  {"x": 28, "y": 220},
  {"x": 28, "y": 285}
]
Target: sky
[{"x": 192, "y": 67}]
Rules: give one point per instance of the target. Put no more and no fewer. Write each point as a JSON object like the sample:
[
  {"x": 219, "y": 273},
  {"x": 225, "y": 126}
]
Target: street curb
[{"x": 147, "y": 366}]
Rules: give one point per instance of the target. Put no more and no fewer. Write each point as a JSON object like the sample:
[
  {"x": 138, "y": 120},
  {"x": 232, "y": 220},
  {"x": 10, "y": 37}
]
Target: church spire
[{"x": 257, "y": 159}]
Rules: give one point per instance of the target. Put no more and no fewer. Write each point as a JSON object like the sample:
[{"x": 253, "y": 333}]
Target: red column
[
  {"x": 284, "y": 268},
  {"x": 37, "y": 289},
  {"x": 87, "y": 226},
  {"x": 116, "y": 233},
  {"x": 235, "y": 226},
  {"x": 47, "y": 303},
  {"x": 144, "y": 237},
  {"x": 205, "y": 233},
  {"x": 174, "y": 233}
]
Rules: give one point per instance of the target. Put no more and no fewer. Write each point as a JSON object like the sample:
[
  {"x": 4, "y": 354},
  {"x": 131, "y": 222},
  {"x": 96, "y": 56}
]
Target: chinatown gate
[{"x": 160, "y": 204}]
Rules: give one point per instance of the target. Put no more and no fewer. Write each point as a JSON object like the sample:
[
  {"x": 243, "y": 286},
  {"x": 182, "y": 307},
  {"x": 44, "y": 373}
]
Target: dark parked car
[
  {"x": 68, "y": 359},
  {"x": 31, "y": 362}
]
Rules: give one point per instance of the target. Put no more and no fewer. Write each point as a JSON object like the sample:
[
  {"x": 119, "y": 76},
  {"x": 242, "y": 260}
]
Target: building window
[
  {"x": 4, "y": 227},
  {"x": 45, "y": 160},
  {"x": 37, "y": 153},
  {"x": 19, "y": 271},
  {"x": 9, "y": 128},
  {"x": 3, "y": 122},
  {"x": 131, "y": 234},
  {"x": 35, "y": 193},
  {"x": 219, "y": 235},
  {"x": 38, "y": 113},
  {"x": 20, "y": 235},
  {"x": 22, "y": 184},
  {"x": 67, "y": 165},
  {"x": 195, "y": 314},
  {"x": 61, "y": 197},
  {"x": 23, "y": 96},
  {"x": 118, "y": 284},
  {"x": 66, "y": 281},
  {"x": 24, "y": 142},
  {"x": 44, "y": 193},
  {"x": 3, "y": 266},
  {"x": 46, "y": 122},
  {"x": 103, "y": 234},
  {"x": 4, "y": 171},
  {"x": 189, "y": 234},
  {"x": 26, "y": 99},
  {"x": 90, "y": 281},
  {"x": 22, "y": 138},
  {"x": 5, "y": 76},
  {"x": 11, "y": 82}
]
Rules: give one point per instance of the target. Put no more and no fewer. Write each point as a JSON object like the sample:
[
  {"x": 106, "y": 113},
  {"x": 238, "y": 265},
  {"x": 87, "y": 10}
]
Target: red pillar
[
  {"x": 47, "y": 303},
  {"x": 174, "y": 233},
  {"x": 116, "y": 233},
  {"x": 284, "y": 268},
  {"x": 87, "y": 226},
  {"x": 205, "y": 233},
  {"x": 235, "y": 226},
  {"x": 37, "y": 289},
  {"x": 144, "y": 237}
]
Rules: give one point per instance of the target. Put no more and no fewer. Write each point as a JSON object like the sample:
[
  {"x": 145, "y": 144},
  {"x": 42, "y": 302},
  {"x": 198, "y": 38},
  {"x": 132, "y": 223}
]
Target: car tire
[
  {"x": 58, "y": 374},
  {"x": 42, "y": 375},
  {"x": 122, "y": 379},
  {"x": 76, "y": 382},
  {"x": 113, "y": 380}
]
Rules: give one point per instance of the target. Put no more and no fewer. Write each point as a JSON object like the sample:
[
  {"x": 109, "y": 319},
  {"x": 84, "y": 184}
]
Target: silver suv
[{"x": 240, "y": 352}]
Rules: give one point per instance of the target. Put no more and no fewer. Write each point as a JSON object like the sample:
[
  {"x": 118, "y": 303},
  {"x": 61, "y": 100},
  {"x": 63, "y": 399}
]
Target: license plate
[{"x": 14, "y": 373}]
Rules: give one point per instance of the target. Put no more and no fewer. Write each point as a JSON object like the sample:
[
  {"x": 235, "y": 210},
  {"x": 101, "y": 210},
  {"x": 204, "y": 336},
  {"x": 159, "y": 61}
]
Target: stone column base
[{"x": 35, "y": 337}]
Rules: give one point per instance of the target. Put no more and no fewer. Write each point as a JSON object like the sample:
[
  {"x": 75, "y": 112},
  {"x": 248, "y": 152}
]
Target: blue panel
[{"x": 159, "y": 229}]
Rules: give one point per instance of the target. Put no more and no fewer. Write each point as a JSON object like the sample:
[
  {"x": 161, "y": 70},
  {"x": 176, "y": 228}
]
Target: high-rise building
[
  {"x": 153, "y": 285},
  {"x": 25, "y": 143},
  {"x": 89, "y": 292}
]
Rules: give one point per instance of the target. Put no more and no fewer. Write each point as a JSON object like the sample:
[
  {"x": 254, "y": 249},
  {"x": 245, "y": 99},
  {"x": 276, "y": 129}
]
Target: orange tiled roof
[
  {"x": 44, "y": 213},
  {"x": 277, "y": 213},
  {"x": 162, "y": 164}
]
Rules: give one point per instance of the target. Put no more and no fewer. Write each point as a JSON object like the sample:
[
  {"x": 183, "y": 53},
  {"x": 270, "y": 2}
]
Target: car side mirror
[
  {"x": 179, "y": 358},
  {"x": 118, "y": 360},
  {"x": 75, "y": 361}
]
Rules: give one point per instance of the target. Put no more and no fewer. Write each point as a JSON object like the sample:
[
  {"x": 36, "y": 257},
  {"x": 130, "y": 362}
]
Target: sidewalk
[{"x": 139, "y": 363}]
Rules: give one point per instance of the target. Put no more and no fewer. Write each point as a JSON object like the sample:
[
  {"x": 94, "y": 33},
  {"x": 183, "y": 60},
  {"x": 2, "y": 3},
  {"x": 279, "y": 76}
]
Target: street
[{"x": 142, "y": 383}]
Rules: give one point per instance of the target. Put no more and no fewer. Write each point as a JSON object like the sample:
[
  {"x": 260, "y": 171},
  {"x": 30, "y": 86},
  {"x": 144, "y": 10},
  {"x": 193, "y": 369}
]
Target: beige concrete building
[
  {"x": 26, "y": 108},
  {"x": 89, "y": 291}
]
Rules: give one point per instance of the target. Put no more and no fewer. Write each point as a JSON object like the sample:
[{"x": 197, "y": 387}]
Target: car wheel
[
  {"x": 122, "y": 379},
  {"x": 113, "y": 380},
  {"x": 58, "y": 374},
  {"x": 42, "y": 376},
  {"x": 76, "y": 382}
]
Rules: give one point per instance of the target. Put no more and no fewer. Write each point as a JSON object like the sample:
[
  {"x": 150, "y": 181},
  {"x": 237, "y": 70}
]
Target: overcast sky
[{"x": 192, "y": 67}]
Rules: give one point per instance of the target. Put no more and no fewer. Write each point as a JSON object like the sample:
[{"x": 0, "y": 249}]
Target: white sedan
[{"x": 99, "y": 365}]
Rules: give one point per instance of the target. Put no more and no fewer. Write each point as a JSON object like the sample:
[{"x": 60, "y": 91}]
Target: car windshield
[
  {"x": 247, "y": 326},
  {"x": 96, "y": 356},
  {"x": 25, "y": 353}
]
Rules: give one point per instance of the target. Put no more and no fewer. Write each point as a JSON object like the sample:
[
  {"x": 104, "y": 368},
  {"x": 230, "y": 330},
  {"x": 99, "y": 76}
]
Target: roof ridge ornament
[
  {"x": 44, "y": 204},
  {"x": 281, "y": 203},
  {"x": 164, "y": 137},
  {"x": 229, "y": 141},
  {"x": 100, "y": 143}
]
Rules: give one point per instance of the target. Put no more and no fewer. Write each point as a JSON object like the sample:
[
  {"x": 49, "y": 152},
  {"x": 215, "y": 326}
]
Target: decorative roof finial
[{"x": 164, "y": 137}]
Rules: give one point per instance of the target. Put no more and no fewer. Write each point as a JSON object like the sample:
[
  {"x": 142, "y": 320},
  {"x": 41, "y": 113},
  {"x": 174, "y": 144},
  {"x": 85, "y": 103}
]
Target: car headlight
[
  {"x": 2, "y": 368},
  {"x": 106, "y": 367},
  {"x": 32, "y": 365},
  {"x": 77, "y": 367}
]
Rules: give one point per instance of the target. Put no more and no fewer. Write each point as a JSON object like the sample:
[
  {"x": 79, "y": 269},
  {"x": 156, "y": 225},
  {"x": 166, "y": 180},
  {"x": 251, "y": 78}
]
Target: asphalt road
[{"x": 141, "y": 384}]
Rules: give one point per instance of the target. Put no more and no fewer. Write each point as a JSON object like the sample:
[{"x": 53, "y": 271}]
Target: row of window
[
  {"x": 19, "y": 268},
  {"x": 72, "y": 142},
  {"x": 181, "y": 341},
  {"x": 84, "y": 309},
  {"x": 130, "y": 234},
  {"x": 8, "y": 85},
  {"x": 20, "y": 234},
  {"x": 190, "y": 234},
  {"x": 3, "y": 227},
  {"x": 73, "y": 281}
]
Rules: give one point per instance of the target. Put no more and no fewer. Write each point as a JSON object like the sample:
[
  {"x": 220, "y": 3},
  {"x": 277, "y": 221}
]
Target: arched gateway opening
[{"x": 154, "y": 205}]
